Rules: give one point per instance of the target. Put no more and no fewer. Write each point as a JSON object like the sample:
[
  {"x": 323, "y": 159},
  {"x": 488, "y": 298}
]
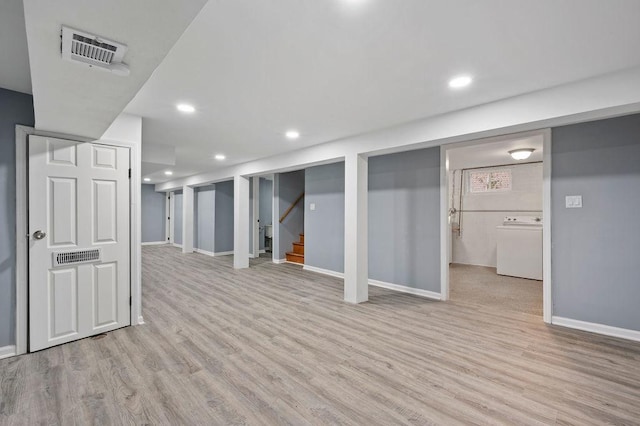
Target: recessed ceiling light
[
  {"x": 292, "y": 134},
  {"x": 460, "y": 81},
  {"x": 168, "y": 173},
  {"x": 220, "y": 157},
  {"x": 521, "y": 154},
  {"x": 185, "y": 108},
  {"x": 146, "y": 180}
]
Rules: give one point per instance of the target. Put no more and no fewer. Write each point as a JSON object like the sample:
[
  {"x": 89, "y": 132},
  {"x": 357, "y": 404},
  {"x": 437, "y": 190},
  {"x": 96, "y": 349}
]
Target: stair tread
[
  {"x": 296, "y": 243},
  {"x": 290, "y": 253}
]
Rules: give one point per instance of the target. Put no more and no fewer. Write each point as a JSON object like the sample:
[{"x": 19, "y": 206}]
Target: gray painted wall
[
  {"x": 177, "y": 222},
  {"x": 596, "y": 249},
  {"x": 224, "y": 217},
  {"x": 265, "y": 213},
  {"x": 290, "y": 186},
  {"x": 153, "y": 206},
  {"x": 204, "y": 211},
  {"x": 324, "y": 227},
  {"x": 404, "y": 219},
  {"x": 15, "y": 108}
]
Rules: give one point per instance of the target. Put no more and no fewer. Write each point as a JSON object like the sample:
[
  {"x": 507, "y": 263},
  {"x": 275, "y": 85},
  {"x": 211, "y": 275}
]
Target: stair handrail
[{"x": 284, "y": 216}]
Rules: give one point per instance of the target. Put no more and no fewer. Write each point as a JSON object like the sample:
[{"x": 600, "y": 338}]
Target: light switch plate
[
  {"x": 312, "y": 206},
  {"x": 573, "y": 201}
]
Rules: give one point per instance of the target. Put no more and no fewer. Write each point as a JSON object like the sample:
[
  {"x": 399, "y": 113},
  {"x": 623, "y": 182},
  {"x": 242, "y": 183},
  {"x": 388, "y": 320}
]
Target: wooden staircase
[{"x": 297, "y": 255}]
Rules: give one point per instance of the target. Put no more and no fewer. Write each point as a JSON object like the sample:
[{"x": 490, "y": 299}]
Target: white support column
[
  {"x": 187, "y": 219},
  {"x": 240, "y": 222},
  {"x": 356, "y": 262},
  {"x": 275, "y": 219},
  {"x": 255, "y": 225}
]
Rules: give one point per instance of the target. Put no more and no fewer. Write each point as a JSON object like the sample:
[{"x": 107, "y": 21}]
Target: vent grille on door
[{"x": 76, "y": 256}]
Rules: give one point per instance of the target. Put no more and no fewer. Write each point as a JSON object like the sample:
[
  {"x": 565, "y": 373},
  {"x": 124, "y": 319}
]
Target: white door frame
[
  {"x": 547, "y": 305},
  {"x": 22, "y": 248},
  {"x": 171, "y": 209},
  {"x": 167, "y": 215}
]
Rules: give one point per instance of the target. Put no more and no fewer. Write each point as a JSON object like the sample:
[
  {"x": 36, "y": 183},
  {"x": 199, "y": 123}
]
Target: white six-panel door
[{"x": 79, "y": 282}]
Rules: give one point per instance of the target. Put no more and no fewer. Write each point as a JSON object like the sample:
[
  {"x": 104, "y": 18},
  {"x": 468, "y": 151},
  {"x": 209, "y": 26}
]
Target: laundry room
[{"x": 495, "y": 203}]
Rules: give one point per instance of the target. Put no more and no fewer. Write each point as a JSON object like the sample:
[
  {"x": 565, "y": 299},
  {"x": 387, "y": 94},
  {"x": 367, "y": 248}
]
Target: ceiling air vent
[{"x": 94, "y": 51}]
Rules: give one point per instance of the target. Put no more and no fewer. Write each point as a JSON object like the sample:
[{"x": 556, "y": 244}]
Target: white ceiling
[
  {"x": 73, "y": 99},
  {"x": 494, "y": 153},
  {"x": 14, "y": 65},
  {"x": 336, "y": 68}
]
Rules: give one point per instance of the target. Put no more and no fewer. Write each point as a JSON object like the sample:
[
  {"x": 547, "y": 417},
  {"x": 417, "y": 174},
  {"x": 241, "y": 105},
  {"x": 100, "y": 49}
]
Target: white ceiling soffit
[
  {"x": 335, "y": 68},
  {"x": 73, "y": 99},
  {"x": 14, "y": 65}
]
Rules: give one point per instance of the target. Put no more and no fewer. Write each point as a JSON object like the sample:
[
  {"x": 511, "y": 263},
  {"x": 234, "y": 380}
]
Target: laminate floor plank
[{"x": 274, "y": 344}]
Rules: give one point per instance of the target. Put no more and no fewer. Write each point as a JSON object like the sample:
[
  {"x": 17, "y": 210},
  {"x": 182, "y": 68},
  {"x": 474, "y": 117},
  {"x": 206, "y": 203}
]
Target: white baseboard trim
[
  {"x": 205, "y": 252},
  {"x": 279, "y": 261},
  {"x": 140, "y": 320},
  {"x": 7, "y": 351},
  {"x": 472, "y": 264},
  {"x": 395, "y": 287},
  {"x": 223, "y": 253},
  {"x": 404, "y": 289},
  {"x": 154, "y": 243},
  {"x": 177, "y": 245},
  {"x": 263, "y": 251},
  {"x": 593, "y": 327},
  {"x": 323, "y": 271}
]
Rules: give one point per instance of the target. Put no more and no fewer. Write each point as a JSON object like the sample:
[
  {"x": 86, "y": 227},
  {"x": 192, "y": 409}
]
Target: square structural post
[
  {"x": 187, "y": 219},
  {"x": 356, "y": 261},
  {"x": 240, "y": 222}
]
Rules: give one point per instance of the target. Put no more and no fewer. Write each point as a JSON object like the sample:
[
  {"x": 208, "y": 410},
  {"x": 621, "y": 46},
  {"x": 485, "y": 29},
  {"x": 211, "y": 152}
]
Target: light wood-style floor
[
  {"x": 483, "y": 287},
  {"x": 276, "y": 345}
]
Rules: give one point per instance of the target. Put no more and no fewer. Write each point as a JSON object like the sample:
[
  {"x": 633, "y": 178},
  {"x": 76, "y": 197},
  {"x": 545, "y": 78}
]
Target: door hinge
[
  {"x": 129, "y": 300},
  {"x": 129, "y": 173}
]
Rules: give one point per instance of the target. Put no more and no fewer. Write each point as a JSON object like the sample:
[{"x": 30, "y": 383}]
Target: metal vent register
[
  {"x": 92, "y": 49},
  {"x": 74, "y": 257}
]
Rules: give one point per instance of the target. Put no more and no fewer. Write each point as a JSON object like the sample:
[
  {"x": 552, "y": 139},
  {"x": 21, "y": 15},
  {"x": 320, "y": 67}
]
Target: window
[{"x": 489, "y": 181}]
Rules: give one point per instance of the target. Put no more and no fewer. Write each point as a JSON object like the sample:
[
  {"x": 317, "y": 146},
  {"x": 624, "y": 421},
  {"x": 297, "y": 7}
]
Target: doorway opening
[
  {"x": 496, "y": 223},
  {"x": 261, "y": 217}
]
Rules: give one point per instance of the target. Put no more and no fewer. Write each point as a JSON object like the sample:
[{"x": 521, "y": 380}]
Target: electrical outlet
[
  {"x": 312, "y": 206},
  {"x": 573, "y": 201}
]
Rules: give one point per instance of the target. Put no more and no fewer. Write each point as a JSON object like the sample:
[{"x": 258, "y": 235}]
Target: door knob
[{"x": 38, "y": 235}]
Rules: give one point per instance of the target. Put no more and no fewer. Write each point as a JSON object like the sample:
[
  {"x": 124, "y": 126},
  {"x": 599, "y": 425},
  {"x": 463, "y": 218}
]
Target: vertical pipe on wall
[
  {"x": 356, "y": 267},
  {"x": 240, "y": 222}
]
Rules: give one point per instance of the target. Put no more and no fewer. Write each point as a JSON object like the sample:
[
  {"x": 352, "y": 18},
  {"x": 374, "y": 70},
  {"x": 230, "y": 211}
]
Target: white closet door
[{"x": 79, "y": 281}]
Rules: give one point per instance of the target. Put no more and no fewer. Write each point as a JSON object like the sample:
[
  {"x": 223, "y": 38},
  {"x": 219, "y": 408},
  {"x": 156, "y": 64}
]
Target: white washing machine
[{"x": 520, "y": 247}]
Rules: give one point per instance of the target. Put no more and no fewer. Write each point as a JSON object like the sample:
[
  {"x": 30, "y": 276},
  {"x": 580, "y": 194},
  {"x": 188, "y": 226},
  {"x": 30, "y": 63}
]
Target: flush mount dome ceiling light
[
  {"x": 521, "y": 154},
  {"x": 168, "y": 173},
  {"x": 460, "y": 81},
  {"x": 292, "y": 134},
  {"x": 185, "y": 108},
  {"x": 146, "y": 180},
  {"x": 219, "y": 157}
]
